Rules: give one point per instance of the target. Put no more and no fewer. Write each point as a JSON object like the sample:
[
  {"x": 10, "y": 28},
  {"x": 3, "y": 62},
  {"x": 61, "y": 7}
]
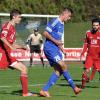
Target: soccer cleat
[
  {"x": 29, "y": 94},
  {"x": 44, "y": 93},
  {"x": 77, "y": 90}
]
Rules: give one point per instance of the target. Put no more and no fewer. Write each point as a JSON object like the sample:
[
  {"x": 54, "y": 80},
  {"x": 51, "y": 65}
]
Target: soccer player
[
  {"x": 35, "y": 41},
  {"x": 7, "y": 39},
  {"x": 53, "y": 51},
  {"x": 92, "y": 47}
]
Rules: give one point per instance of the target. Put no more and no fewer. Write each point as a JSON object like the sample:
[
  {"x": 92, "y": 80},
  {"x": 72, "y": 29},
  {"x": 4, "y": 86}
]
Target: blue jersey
[{"x": 56, "y": 29}]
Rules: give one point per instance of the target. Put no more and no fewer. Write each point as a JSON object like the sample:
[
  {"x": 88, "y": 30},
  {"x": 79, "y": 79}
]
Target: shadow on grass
[
  {"x": 17, "y": 92},
  {"x": 66, "y": 84},
  {"x": 73, "y": 80}
]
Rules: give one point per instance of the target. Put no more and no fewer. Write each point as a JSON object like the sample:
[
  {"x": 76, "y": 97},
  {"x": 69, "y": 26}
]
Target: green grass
[
  {"x": 38, "y": 75},
  {"x": 75, "y": 33}
]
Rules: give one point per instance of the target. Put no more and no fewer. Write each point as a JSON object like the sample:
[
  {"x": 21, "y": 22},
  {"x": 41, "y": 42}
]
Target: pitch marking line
[{"x": 9, "y": 86}]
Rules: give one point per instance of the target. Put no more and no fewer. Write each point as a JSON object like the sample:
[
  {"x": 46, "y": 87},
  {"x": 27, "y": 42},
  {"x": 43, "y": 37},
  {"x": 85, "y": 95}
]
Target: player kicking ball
[
  {"x": 7, "y": 39},
  {"x": 53, "y": 51}
]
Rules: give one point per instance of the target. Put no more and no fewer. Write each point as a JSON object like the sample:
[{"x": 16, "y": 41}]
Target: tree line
[{"x": 83, "y": 9}]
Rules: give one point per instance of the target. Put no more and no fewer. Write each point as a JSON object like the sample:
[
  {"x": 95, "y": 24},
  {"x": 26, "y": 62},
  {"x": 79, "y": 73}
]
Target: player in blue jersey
[{"x": 53, "y": 51}]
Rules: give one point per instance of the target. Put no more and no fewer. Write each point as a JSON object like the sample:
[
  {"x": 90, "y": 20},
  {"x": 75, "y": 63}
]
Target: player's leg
[
  {"x": 52, "y": 80},
  {"x": 31, "y": 54},
  {"x": 23, "y": 78},
  {"x": 38, "y": 50},
  {"x": 85, "y": 77},
  {"x": 92, "y": 74},
  {"x": 41, "y": 59},
  {"x": 96, "y": 69},
  {"x": 87, "y": 67},
  {"x": 31, "y": 59},
  {"x": 68, "y": 77}
]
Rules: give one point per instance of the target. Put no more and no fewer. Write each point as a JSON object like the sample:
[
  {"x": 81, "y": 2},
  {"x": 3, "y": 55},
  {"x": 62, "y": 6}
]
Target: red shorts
[
  {"x": 90, "y": 62},
  {"x": 5, "y": 58}
]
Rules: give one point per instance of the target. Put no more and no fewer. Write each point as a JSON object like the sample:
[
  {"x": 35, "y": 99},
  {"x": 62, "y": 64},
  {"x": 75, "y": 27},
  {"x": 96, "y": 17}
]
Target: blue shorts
[{"x": 53, "y": 56}]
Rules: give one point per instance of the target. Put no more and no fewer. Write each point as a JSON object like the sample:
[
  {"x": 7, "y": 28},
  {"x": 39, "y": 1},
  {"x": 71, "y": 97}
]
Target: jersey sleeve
[
  {"x": 4, "y": 33},
  {"x": 85, "y": 46},
  {"x": 51, "y": 25}
]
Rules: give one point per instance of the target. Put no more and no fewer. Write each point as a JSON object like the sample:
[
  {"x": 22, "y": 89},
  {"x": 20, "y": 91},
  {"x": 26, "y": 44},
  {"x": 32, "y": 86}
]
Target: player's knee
[
  {"x": 58, "y": 73},
  {"x": 24, "y": 69},
  {"x": 64, "y": 66}
]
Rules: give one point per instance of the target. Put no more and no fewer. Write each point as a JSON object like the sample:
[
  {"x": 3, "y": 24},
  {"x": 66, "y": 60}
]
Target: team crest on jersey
[{"x": 4, "y": 32}]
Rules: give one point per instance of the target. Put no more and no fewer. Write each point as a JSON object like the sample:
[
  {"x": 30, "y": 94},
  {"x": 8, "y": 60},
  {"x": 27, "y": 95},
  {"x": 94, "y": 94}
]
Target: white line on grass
[{"x": 9, "y": 86}]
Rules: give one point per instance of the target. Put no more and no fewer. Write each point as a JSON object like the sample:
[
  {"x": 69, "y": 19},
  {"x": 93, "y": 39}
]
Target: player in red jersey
[
  {"x": 92, "y": 47},
  {"x": 7, "y": 39}
]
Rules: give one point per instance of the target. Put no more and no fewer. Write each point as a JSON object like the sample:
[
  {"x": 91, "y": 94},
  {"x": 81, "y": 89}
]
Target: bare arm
[
  {"x": 17, "y": 46},
  {"x": 62, "y": 49}
]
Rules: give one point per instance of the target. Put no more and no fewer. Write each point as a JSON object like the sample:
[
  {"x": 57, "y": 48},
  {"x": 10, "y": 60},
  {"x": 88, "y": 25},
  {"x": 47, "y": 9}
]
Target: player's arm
[
  {"x": 17, "y": 46},
  {"x": 49, "y": 29},
  {"x": 41, "y": 40},
  {"x": 85, "y": 47},
  {"x": 62, "y": 49},
  {"x": 7, "y": 43},
  {"x": 3, "y": 35},
  {"x": 48, "y": 36}
]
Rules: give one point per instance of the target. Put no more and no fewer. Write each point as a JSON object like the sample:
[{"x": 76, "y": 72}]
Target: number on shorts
[{"x": 57, "y": 58}]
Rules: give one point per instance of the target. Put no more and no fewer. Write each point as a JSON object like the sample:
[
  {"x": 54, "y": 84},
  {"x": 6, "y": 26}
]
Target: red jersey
[
  {"x": 93, "y": 44},
  {"x": 9, "y": 33}
]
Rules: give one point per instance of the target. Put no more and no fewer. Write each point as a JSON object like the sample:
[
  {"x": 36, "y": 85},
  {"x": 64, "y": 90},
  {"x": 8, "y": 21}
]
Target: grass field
[
  {"x": 75, "y": 34},
  {"x": 10, "y": 88}
]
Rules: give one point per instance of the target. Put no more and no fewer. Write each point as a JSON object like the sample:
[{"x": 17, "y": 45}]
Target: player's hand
[
  {"x": 64, "y": 54},
  {"x": 12, "y": 48},
  {"x": 24, "y": 47},
  {"x": 81, "y": 56},
  {"x": 59, "y": 43}
]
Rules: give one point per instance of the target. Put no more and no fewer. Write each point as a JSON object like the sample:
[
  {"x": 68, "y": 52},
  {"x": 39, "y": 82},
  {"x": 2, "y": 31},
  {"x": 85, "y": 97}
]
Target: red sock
[
  {"x": 24, "y": 82},
  {"x": 84, "y": 79},
  {"x": 93, "y": 74}
]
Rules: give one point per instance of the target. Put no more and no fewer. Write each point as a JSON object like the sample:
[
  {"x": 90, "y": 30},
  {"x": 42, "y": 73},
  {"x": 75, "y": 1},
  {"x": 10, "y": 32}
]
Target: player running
[
  {"x": 92, "y": 47},
  {"x": 7, "y": 39},
  {"x": 53, "y": 51}
]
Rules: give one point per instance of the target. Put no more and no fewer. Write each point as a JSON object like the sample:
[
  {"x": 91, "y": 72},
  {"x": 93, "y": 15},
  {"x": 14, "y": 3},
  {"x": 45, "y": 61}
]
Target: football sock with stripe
[
  {"x": 51, "y": 81},
  {"x": 69, "y": 79}
]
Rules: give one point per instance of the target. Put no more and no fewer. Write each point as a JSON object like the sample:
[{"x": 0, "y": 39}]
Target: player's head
[
  {"x": 95, "y": 25},
  {"x": 66, "y": 14},
  {"x": 15, "y": 15},
  {"x": 36, "y": 31}
]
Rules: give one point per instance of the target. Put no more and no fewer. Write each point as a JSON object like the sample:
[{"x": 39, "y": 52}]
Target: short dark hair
[
  {"x": 67, "y": 9},
  {"x": 14, "y": 12},
  {"x": 96, "y": 20}
]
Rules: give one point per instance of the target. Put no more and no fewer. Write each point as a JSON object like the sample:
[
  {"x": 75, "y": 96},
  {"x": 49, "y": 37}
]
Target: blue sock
[
  {"x": 69, "y": 79},
  {"x": 51, "y": 81}
]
